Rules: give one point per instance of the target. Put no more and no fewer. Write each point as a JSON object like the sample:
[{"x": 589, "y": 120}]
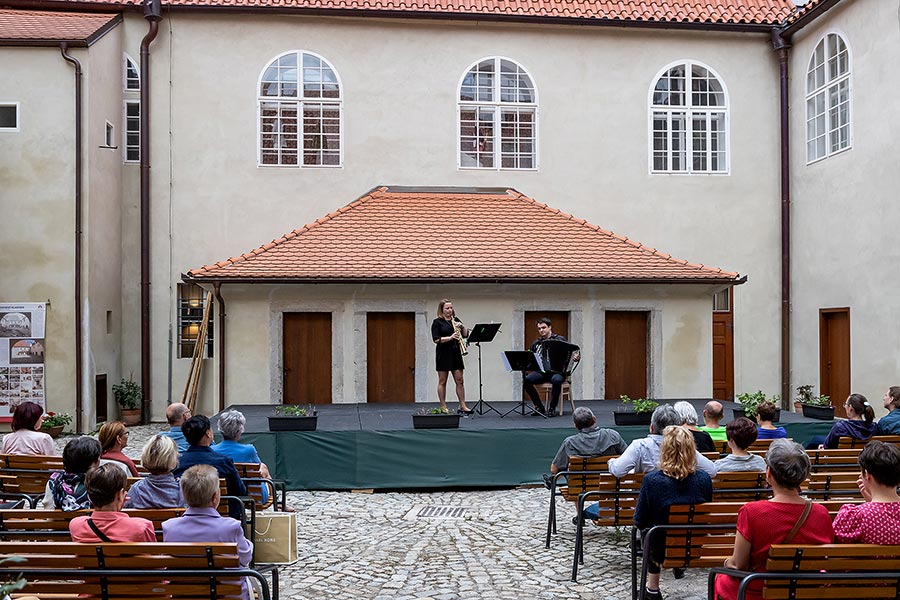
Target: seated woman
[
  {"x": 785, "y": 518},
  {"x": 202, "y": 522},
  {"x": 107, "y": 523},
  {"x": 65, "y": 489},
  {"x": 159, "y": 489},
  {"x": 765, "y": 414},
  {"x": 860, "y": 423},
  {"x": 26, "y": 437},
  {"x": 878, "y": 520},
  {"x": 740, "y": 434},
  {"x": 231, "y": 424},
  {"x": 688, "y": 414},
  {"x": 678, "y": 481},
  {"x": 113, "y": 438}
]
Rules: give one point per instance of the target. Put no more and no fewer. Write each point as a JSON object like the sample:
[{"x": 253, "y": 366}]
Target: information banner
[{"x": 22, "y": 331}]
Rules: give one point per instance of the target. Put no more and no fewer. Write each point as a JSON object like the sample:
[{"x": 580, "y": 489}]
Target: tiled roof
[
  {"x": 428, "y": 234},
  {"x": 34, "y": 25}
]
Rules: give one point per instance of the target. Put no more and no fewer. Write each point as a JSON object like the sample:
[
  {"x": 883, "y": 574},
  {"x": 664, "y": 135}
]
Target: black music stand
[
  {"x": 521, "y": 360},
  {"x": 483, "y": 332}
]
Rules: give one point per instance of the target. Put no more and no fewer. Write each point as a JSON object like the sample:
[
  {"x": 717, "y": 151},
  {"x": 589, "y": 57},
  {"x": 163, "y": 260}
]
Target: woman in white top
[{"x": 25, "y": 438}]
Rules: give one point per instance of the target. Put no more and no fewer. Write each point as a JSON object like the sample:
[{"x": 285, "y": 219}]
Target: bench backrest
[
  {"x": 841, "y": 459},
  {"x": 846, "y": 442},
  {"x": 740, "y": 485},
  {"x": 255, "y": 489},
  {"x": 42, "y": 524},
  {"x": 826, "y": 484}
]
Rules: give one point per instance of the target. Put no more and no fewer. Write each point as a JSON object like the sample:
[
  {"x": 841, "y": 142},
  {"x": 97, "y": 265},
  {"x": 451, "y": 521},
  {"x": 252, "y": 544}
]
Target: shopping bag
[{"x": 275, "y": 538}]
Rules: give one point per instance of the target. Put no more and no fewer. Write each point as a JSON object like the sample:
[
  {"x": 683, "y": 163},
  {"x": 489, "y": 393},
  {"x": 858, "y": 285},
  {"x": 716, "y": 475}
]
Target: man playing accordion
[{"x": 556, "y": 377}]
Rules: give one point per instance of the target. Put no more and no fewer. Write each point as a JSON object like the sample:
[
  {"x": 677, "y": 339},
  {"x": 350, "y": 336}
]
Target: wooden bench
[
  {"x": 30, "y": 472},
  {"x": 740, "y": 485},
  {"x": 846, "y": 442},
  {"x": 252, "y": 476},
  {"x": 833, "y": 571},
  {"x": 132, "y": 570},
  {"x": 833, "y": 484},
  {"x": 841, "y": 459},
  {"x": 583, "y": 474},
  {"x": 46, "y": 524}
]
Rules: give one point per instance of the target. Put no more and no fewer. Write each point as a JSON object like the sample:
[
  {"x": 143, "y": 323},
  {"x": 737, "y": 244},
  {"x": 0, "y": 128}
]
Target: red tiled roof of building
[
  {"x": 35, "y": 25},
  {"x": 429, "y": 234}
]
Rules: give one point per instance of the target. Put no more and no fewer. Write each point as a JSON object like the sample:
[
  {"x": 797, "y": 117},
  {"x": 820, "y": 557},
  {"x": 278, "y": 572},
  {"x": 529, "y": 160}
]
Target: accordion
[{"x": 556, "y": 356}]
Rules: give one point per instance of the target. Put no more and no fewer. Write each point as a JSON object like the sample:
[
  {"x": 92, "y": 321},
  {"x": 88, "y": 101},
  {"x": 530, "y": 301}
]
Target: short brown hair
[
  {"x": 765, "y": 411},
  {"x": 882, "y": 462},
  {"x": 677, "y": 453},
  {"x": 103, "y": 483},
  {"x": 160, "y": 455},
  {"x": 742, "y": 431},
  {"x": 199, "y": 485}
]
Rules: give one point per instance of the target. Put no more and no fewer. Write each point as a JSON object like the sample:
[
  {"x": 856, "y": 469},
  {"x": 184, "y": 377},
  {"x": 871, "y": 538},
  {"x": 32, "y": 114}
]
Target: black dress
[{"x": 448, "y": 356}]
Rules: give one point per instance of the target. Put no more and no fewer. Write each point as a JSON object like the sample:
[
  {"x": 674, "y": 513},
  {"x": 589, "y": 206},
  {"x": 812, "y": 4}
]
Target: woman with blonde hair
[
  {"x": 159, "y": 489},
  {"x": 678, "y": 481},
  {"x": 113, "y": 437},
  {"x": 447, "y": 332}
]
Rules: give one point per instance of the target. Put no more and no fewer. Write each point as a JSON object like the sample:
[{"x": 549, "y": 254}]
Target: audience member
[
  {"x": 741, "y": 434},
  {"x": 231, "y": 424},
  {"x": 199, "y": 435},
  {"x": 201, "y": 522},
  {"x": 688, "y": 414},
  {"x": 676, "y": 482},
  {"x": 159, "y": 489},
  {"x": 765, "y": 414},
  {"x": 65, "y": 489},
  {"x": 786, "y": 518},
  {"x": 176, "y": 414},
  {"x": 712, "y": 416},
  {"x": 113, "y": 438},
  {"x": 878, "y": 520},
  {"x": 589, "y": 441},
  {"x": 26, "y": 437},
  {"x": 107, "y": 523},
  {"x": 889, "y": 424},
  {"x": 860, "y": 423}
]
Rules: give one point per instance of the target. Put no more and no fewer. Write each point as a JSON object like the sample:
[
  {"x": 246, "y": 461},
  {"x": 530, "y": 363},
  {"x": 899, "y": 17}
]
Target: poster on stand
[{"x": 22, "y": 330}]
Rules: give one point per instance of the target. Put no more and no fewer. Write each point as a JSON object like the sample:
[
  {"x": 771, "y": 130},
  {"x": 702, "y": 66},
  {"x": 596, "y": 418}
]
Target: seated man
[
  {"x": 589, "y": 441},
  {"x": 106, "y": 489},
  {"x": 545, "y": 332},
  {"x": 889, "y": 424},
  {"x": 712, "y": 416},
  {"x": 176, "y": 415},
  {"x": 198, "y": 432}
]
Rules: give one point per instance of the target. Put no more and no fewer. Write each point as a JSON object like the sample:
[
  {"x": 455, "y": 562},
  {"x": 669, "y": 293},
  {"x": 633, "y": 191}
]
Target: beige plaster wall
[
  {"x": 400, "y": 84},
  {"x": 845, "y": 209}
]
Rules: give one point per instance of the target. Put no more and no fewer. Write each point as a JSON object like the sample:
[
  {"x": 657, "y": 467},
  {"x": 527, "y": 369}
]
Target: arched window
[
  {"x": 828, "y": 98},
  {"x": 497, "y": 116},
  {"x": 688, "y": 121},
  {"x": 132, "y": 76},
  {"x": 300, "y": 112}
]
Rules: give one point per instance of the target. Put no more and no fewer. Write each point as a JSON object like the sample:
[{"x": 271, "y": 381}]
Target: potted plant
[
  {"x": 749, "y": 402},
  {"x": 435, "y": 418},
  {"x": 128, "y": 395},
  {"x": 290, "y": 417},
  {"x": 640, "y": 415},
  {"x": 814, "y": 407},
  {"x": 54, "y": 423}
]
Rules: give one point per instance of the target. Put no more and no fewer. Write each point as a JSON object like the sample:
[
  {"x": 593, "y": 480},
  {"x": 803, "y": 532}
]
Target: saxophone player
[{"x": 448, "y": 332}]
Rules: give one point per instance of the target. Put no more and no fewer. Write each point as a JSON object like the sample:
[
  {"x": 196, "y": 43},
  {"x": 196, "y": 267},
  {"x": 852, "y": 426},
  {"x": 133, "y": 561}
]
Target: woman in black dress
[{"x": 448, "y": 355}]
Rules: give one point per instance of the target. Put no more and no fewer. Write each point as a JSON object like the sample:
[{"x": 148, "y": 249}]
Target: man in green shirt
[{"x": 712, "y": 414}]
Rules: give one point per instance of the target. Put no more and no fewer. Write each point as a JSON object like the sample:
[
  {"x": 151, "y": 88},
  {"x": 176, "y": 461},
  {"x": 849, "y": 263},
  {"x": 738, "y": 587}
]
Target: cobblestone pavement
[{"x": 372, "y": 547}]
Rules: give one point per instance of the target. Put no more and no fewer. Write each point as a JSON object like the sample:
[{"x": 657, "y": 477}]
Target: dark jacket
[{"x": 203, "y": 455}]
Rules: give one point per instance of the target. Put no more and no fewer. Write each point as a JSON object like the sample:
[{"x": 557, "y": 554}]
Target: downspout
[
  {"x": 79, "y": 334},
  {"x": 781, "y": 44},
  {"x": 152, "y": 12},
  {"x": 217, "y": 289}
]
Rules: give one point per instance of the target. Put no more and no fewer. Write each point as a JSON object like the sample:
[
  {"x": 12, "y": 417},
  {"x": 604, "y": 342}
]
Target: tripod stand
[{"x": 483, "y": 332}]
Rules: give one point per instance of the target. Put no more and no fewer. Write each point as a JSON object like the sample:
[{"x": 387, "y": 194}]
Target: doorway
[
  {"x": 391, "y": 357},
  {"x": 723, "y": 346},
  {"x": 626, "y": 354},
  {"x": 306, "y": 345},
  {"x": 834, "y": 356}
]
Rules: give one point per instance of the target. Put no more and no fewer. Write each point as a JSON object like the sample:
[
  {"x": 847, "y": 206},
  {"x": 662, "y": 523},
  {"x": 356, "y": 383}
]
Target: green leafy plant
[
  {"x": 640, "y": 405},
  {"x": 52, "y": 419},
  {"x": 805, "y": 396},
  {"x": 749, "y": 402},
  {"x": 128, "y": 394},
  {"x": 292, "y": 410},
  {"x": 9, "y": 585},
  {"x": 440, "y": 410}
]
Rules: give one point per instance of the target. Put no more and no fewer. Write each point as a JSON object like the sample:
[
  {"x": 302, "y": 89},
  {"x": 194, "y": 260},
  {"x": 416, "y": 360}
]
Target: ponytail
[{"x": 861, "y": 407}]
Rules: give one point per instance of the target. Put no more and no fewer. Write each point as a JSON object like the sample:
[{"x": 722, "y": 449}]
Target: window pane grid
[
  {"x": 828, "y": 99},
  {"x": 476, "y": 136},
  {"x": 132, "y": 78},
  {"x": 191, "y": 301},
  {"x": 132, "y": 131}
]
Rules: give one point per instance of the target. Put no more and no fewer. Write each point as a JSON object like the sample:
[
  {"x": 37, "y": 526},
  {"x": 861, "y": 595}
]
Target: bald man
[
  {"x": 712, "y": 414},
  {"x": 176, "y": 415}
]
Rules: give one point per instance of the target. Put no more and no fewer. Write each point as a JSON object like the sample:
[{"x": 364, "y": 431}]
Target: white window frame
[
  {"x": 689, "y": 111},
  {"x": 125, "y": 131},
  {"x": 127, "y": 60},
  {"x": 18, "y": 124},
  {"x": 337, "y": 102},
  {"x": 825, "y": 89},
  {"x": 497, "y": 106},
  {"x": 109, "y": 136}
]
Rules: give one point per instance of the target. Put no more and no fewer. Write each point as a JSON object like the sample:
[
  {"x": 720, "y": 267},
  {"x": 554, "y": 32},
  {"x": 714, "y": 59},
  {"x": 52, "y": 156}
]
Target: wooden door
[
  {"x": 626, "y": 354},
  {"x": 391, "y": 357},
  {"x": 723, "y": 347},
  {"x": 306, "y": 345},
  {"x": 834, "y": 356}
]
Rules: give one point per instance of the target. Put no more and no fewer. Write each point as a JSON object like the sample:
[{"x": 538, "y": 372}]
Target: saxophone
[{"x": 457, "y": 328}]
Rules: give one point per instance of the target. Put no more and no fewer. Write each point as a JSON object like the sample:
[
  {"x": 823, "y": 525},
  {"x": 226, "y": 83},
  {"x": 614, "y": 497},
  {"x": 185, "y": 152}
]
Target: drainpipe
[
  {"x": 79, "y": 334},
  {"x": 152, "y": 12},
  {"x": 217, "y": 290},
  {"x": 781, "y": 44}
]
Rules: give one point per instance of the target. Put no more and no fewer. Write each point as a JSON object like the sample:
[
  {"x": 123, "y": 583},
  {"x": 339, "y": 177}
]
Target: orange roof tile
[
  {"x": 428, "y": 234},
  {"x": 35, "y": 25}
]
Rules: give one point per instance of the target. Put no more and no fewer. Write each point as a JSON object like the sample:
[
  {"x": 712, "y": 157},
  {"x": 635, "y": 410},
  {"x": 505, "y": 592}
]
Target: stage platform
[{"x": 374, "y": 446}]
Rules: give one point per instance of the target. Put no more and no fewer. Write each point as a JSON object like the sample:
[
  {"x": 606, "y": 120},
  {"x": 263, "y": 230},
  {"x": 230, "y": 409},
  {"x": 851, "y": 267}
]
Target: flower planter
[
  {"x": 823, "y": 413},
  {"x": 632, "y": 418},
  {"x": 54, "y": 431},
  {"x": 131, "y": 416},
  {"x": 435, "y": 421},
  {"x": 740, "y": 412},
  {"x": 293, "y": 423}
]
